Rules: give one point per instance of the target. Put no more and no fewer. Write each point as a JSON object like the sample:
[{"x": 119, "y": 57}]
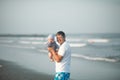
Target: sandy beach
[{"x": 11, "y": 71}]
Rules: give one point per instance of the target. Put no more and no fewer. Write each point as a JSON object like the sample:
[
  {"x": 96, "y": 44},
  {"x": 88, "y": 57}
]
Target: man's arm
[{"x": 56, "y": 56}]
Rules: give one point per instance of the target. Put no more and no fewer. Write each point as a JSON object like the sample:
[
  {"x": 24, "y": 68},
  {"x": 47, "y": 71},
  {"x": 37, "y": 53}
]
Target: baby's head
[{"x": 51, "y": 38}]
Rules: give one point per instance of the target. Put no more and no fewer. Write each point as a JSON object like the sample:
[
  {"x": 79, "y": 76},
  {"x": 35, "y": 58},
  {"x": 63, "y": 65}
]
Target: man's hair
[{"x": 61, "y": 33}]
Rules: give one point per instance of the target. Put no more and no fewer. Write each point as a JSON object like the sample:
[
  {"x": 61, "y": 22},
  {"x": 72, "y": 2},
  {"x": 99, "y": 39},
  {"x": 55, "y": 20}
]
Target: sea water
[{"x": 97, "y": 47}]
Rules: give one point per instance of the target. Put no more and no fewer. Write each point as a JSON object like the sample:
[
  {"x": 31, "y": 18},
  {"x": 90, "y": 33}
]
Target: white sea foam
[
  {"x": 38, "y": 42},
  {"x": 6, "y": 41},
  {"x": 19, "y": 46},
  {"x": 32, "y": 38},
  {"x": 98, "y": 40},
  {"x": 31, "y": 42},
  {"x": 43, "y": 50},
  {"x": 78, "y": 44},
  {"x": 25, "y": 42},
  {"x": 74, "y": 39},
  {"x": 94, "y": 58}
]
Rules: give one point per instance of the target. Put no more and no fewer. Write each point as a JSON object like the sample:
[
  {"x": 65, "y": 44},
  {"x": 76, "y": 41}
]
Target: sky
[{"x": 50, "y": 16}]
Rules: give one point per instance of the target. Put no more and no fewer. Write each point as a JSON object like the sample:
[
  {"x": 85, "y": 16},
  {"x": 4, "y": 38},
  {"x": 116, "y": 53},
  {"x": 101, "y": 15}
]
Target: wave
[
  {"x": 43, "y": 50},
  {"x": 74, "y": 39},
  {"x": 98, "y": 40},
  {"x": 78, "y": 44},
  {"x": 38, "y": 42},
  {"x": 31, "y": 42},
  {"x": 94, "y": 58},
  {"x": 6, "y": 41},
  {"x": 19, "y": 46},
  {"x": 33, "y": 38},
  {"x": 108, "y": 59},
  {"x": 43, "y": 43},
  {"x": 88, "y": 57},
  {"x": 87, "y": 40},
  {"x": 25, "y": 42}
]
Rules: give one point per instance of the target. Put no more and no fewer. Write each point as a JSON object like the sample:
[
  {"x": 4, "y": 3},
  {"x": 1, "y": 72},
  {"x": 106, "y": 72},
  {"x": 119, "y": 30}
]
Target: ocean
[
  {"x": 97, "y": 47},
  {"x": 96, "y": 56}
]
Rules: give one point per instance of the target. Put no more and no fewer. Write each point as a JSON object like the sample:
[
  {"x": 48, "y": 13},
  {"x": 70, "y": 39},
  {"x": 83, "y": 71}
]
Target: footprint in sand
[{"x": 0, "y": 66}]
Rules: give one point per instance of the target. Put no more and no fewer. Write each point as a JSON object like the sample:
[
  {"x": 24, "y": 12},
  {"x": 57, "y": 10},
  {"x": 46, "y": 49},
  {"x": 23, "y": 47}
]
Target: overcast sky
[{"x": 50, "y": 16}]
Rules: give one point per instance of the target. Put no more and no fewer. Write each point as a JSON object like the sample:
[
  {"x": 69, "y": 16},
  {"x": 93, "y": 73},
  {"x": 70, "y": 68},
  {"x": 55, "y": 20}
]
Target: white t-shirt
[{"x": 64, "y": 64}]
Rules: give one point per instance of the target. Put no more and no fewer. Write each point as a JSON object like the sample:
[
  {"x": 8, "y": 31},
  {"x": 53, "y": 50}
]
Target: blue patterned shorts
[{"x": 62, "y": 76}]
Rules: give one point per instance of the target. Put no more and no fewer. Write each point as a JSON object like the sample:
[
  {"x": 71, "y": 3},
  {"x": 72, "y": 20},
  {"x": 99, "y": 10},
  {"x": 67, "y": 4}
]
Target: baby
[{"x": 51, "y": 43}]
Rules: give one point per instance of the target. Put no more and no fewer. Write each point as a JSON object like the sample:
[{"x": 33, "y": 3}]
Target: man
[{"x": 62, "y": 58}]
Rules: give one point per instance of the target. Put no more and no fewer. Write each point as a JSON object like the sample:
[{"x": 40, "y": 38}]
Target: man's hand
[{"x": 56, "y": 56}]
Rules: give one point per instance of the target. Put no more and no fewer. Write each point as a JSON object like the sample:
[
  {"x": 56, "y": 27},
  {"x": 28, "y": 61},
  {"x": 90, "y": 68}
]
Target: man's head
[{"x": 60, "y": 37}]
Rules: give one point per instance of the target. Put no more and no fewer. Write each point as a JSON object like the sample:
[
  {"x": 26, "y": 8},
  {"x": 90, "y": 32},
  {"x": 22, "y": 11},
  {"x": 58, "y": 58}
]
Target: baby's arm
[{"x": 50, "y": 56}]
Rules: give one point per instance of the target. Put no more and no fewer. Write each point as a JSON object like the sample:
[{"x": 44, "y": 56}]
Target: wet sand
[{"x": 11, "y": 71}]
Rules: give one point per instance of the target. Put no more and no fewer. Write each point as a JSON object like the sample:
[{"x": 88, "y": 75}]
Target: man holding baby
[{"x": 61, "y": 57}]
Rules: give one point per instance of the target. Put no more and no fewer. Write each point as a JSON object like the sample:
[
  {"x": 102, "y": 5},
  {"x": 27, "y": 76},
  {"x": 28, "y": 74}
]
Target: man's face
[{"x": 60, "y": 39}]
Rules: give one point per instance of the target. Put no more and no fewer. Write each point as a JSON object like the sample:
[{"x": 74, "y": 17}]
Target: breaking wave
[
  {"x": 94, "y": 58},
  {"x": 78, "y": 44},
  {"x": 98, "y": 40}
]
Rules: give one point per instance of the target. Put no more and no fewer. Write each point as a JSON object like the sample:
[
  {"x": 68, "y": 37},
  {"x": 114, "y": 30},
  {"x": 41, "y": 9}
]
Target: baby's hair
[{"x": 52, "y": 36}]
